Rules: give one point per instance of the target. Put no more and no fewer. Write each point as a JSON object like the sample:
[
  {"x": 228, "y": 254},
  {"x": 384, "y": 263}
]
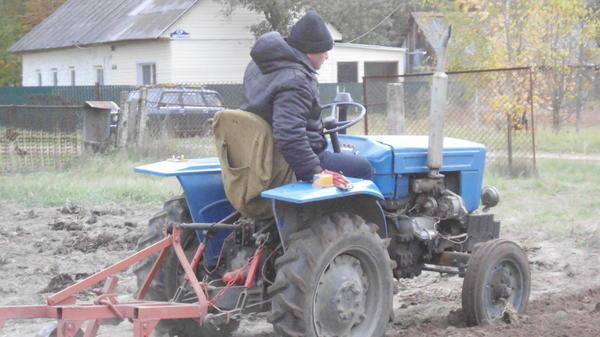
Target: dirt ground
[{"x": 42, "y": 249}]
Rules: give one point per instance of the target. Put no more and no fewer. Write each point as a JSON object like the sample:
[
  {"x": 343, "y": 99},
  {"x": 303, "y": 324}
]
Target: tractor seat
[{"x": 250, "y": 161}]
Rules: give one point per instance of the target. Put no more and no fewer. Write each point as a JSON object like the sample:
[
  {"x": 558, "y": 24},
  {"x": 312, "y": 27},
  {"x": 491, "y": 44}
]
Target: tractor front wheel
[
  {"x": 335, "y": 279},
  {"x": 497, "y": 282}
]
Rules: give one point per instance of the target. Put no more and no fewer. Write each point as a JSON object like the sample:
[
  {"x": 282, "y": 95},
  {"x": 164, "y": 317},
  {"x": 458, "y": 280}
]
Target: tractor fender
[
  {"x": 202, "y": 186},
  {"x": 304, "y": 192},
  {"x": 296, "y": 205}
]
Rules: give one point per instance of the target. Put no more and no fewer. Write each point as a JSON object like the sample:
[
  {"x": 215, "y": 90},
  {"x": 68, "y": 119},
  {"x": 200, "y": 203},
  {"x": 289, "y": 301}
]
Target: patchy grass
[
  {"x": 587, "y": 141},
  {"x": 101, "y": 180},
  {"x": 565, "y": 198}
]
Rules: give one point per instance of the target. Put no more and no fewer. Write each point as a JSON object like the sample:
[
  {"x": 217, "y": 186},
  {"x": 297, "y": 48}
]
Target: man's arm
[{"x": 291, "y": 110}]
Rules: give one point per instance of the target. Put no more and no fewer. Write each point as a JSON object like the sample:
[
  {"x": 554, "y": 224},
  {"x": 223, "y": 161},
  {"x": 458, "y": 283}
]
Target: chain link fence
[
  {"x": 179, "y": 119},
  {"x": 42, "y": 127},
  {"x": 38, "y": 137},
  {"x": 567, "y": 97},
  {"x": 492, "y": 107}
]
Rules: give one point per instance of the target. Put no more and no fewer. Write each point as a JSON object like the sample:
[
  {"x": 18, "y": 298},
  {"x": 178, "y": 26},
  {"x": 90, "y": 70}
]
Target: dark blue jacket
[{"x": 280, "y": 86}]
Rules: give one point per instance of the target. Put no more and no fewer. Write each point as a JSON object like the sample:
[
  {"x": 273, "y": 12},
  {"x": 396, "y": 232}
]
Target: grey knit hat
[{"x": 310, "y": 35}]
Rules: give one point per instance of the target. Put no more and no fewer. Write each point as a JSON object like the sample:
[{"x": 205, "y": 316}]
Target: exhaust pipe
[{"x": 439, "y": 89}]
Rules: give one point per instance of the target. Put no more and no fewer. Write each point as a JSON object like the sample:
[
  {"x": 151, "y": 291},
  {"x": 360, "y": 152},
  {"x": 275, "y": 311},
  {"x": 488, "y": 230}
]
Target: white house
[{"x": 128, "y": 42}]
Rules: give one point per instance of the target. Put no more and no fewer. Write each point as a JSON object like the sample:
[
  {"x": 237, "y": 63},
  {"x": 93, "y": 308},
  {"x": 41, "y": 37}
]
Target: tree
[
  {"x": 10, "y": 31},
  {"x": 38, "y": 10},
  {"x": 279, "y": 14},
  {"x": 560, "y": 31},
  {"x": 381, "y": 22},
  {"x": 551, "y": 34},
  {"x": 353, "y": 18},
  {"x": 18, "y": 17}
]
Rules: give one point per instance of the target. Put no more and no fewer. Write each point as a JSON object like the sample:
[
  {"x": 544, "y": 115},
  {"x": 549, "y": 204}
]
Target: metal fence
[
  {"x": 41, "y": 127},
  {"x": 567, "y": 97},
  {"x": 178, "y": 120},
  {"x": 38, "y": 137},
  {"x": 492, "y": 107}
]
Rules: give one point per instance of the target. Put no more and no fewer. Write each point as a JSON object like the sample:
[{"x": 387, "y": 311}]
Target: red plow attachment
[{"x": 144, "y": 315}]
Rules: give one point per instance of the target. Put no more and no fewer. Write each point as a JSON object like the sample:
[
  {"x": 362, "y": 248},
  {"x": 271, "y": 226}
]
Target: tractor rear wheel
[
  {"x": 497, "y": 282},
  {"x": 167, "y": 279},
  {"x": 174, "y": 210},
  {"x": 175, "y": 277},
  {"x": 335, "y": 279}
]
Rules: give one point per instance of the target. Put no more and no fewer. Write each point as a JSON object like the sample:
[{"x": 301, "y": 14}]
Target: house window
[
  {"x": 381, "y": 69},
  {"x": 39, "y": 77},
  {"x": 347, "y": 72},
  {"x": 99, "y": 75},
  {"x": 73, "y": 76},
  {"x": 54, "y": 76},
  {"x": 146, "y": 73}
]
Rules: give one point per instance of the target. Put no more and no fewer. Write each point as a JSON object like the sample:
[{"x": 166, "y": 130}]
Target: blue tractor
[{"x": 323, "y": 263}]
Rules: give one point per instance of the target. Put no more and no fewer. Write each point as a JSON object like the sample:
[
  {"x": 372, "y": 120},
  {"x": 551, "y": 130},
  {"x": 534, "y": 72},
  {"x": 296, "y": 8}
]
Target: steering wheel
[{"x": 332, "y": 125}]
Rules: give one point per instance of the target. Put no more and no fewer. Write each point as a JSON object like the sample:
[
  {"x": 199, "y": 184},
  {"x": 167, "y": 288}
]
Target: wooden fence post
[
  {"x": 143, "y": 108},
  {"x": 395, "y": 116},
  {"x": 123, "y": 124}
]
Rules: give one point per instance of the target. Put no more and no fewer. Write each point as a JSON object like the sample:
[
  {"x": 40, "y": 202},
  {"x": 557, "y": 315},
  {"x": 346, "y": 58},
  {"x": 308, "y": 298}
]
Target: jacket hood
[{"x": 271, "y": 52}]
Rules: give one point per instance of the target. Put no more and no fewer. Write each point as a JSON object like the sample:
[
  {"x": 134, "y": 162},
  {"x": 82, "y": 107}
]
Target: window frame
[
  {"x": 54, "y": 72},
  {"x": 73, "y": 76},
  {"x": 347, "y": 63},
  {"x": 99, "y": 70},
  {"x": 152, "y": 74},
  {"x": 39, "y": 77}
]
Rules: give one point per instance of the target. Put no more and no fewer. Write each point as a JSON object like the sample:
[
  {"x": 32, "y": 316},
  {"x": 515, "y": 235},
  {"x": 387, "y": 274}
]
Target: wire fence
[
  {"x": 567, "y": 96},
  {"x": 492, "y": 107},
  {"x": 42, "y": 127},
  {"x": 39, "y": 137}
]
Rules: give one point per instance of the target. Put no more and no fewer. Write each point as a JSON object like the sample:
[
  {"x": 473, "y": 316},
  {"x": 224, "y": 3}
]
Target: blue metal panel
[
  {"x": 203, "y": 188},
  {"x": 207, "y": 203},
  {"x": 410, "y": 156},
  {"x": 303, "y": 192},
  {"x": 379, "y": 156},
  {"x": 401, "y": 186},
  {"x": 470, "y": 189},
  {"x": 170, "y": 168}
]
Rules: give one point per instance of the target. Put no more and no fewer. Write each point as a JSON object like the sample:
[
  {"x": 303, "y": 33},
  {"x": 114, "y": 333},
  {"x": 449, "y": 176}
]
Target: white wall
[
  {"x": 217, "y": 51},
  {"x": 83, "y": 60},
  {"x": 346, "y": 52},
  {"x": 210, "y": 61},
  {"x": 218, "y": 48},
  {"x": 205, "y": 20},
  {"x": 127, "y": 55}
]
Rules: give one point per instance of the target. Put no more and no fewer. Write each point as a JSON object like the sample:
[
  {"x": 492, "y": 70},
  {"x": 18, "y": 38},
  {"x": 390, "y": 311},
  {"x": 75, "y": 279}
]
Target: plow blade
[{"x": 106, "y": 307}]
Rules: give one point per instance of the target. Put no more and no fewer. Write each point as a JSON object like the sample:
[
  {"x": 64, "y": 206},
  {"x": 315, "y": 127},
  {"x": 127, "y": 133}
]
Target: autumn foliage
[{"x": 17, "y": 17}]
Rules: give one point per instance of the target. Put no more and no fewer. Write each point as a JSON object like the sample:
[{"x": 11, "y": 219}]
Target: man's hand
[{"x": 329, "y": 178}]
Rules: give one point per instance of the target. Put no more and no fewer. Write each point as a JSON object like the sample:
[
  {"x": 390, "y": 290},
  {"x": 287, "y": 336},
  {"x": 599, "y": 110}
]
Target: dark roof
[
  {"x": 433, "y": 26},
  {"x": 85, "y": 22}
]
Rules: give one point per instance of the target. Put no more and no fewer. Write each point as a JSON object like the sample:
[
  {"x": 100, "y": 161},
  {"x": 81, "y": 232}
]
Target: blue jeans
[{"x": 347, "y": 164}]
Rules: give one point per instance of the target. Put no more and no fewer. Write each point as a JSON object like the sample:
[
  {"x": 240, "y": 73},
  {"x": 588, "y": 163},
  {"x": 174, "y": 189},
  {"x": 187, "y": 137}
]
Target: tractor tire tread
[
  {"x": 299, "y": 262},
  {"x": 472, "y": 278}
]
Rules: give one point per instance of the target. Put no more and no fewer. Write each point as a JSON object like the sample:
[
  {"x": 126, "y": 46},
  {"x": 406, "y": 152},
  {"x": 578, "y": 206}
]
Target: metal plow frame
[{"x": 144, "y": 315}]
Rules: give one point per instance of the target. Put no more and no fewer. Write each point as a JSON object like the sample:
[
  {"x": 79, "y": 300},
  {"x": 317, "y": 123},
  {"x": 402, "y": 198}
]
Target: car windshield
[
  {"x": 153, "y": 95},
  {"x": 192, "y": 98},
  {"x": 212, "y": 99},
  {"x": 170, "y": 98},
  {"x": 174, "y": 97}
]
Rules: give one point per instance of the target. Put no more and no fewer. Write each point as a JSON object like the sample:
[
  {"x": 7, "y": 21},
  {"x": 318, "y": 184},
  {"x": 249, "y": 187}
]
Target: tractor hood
[
  {"x": 394, "y": 158},
  {"x": 410, "y": 153}
]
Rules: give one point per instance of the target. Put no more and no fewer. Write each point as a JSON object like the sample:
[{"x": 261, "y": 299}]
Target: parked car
[{"x": 181, "y": 111}]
